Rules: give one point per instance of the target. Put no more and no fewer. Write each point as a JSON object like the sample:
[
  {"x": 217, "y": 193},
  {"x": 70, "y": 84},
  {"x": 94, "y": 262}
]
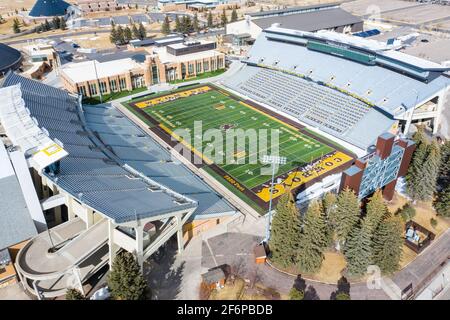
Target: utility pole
[{"x": 98, "y": 81}]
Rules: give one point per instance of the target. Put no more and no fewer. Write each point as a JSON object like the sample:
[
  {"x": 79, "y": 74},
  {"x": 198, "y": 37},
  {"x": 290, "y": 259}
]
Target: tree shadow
[
  {"x": 163, "y": 276},
  {"x": 343, "y": 286},
  {"x": 311, "y": 293},
  {"x": 300, "y": 283}
]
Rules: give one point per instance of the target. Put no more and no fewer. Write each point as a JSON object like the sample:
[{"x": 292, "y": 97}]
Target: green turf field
[{"x": 219, "y": 111}]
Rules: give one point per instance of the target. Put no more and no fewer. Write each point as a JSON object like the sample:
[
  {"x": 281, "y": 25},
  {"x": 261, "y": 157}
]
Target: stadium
[{"x": 108, "y": 169}]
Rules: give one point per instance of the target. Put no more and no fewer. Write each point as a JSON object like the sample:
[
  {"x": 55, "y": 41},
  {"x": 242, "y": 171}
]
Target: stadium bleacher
[
  {"x": 94, "y": 172},
  {"x": 314, "y": 104},
  {"x": 90, "y": 173}
]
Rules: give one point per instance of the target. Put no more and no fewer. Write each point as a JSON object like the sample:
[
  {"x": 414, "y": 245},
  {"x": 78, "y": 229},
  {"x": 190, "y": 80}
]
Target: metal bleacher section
[
  {"x": 339, "y": 84},
  {"x": 138, "y": 150},
  {"x": 91, "y": 173},
  {"x": 327, "y": 109}
]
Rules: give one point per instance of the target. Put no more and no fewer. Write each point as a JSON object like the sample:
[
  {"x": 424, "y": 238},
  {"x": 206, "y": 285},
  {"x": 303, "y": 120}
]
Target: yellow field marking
[
  {"x": 160, "y": 117},
  {"x": 240, "y": 154},
  {"x": 268, "y": 115},
  {"x": 182, "y": 141},
  {"x": 224, "y": 93},
  {"x": 219, "y": 106},
  {"x": 169, "y": 97},
  {"x": 298, "y": 178}
]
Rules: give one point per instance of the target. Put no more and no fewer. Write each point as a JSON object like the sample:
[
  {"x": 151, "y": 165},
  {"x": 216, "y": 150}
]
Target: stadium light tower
[{"x": 275, "y": 161}]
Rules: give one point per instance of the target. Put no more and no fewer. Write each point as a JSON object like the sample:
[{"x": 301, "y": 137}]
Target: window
[
  {"x": 103, "y": 88},
  {"x": 220, "y": 63},
  {"x": 206, "y": 66},
  {"x": 155, "y": 78},
  {"x": 191, "y": 68},
  {"x": 123, "y": 84},
  {"x": 199, "y": 67},
  {"x": 93, "y": 89},
  {"x": 82, "y": 91},
  {"x": 213, "y": 64}
]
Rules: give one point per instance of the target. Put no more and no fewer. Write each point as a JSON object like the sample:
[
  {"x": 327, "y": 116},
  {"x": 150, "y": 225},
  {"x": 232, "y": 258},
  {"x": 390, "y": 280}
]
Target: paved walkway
[{"x": 234, "y": 247}]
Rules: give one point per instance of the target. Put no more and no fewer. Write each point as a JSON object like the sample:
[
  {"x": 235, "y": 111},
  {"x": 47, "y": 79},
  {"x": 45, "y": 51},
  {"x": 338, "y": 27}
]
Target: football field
[{"x": 197, "y": 110}]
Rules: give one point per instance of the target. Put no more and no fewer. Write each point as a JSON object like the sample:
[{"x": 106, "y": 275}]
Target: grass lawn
[
  {"x": 200, "y": 76},
  {"x": 113, "y": 96},
  {"x": 232, "y": 137},
  {"x": 215, "y": 110}
]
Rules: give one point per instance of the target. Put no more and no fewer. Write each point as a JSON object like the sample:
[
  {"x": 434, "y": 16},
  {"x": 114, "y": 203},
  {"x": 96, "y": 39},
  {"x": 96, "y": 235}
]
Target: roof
[
  {"x": 49, "y": 8},
  {"x": 141, "y": 152},
  {"x": 16, "y": 224},
  {"x": 166, "y": 57},
  {"x": 310, "y": 21},
  {"x": 9, "y": 58},
  {"x": 213, "y": 276},
  {"x": 85, "y": 71},
  {"x": 91, "y": 173},
  {"x": 295, "y": 9},
  {"x": 386, "y": 84}
]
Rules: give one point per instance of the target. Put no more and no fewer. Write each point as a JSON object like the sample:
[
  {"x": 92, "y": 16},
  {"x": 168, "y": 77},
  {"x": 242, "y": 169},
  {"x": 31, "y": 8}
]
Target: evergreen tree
[
  {"x": 210, "y": 19},
  {"x": 357, "y": 252},
  {"x": 195, "y": 25},
  {"x": 187, "y": 24},
  {"x": 120, "y": 35},
  {"x": 314, "y": 239},
  {"x": 142, "y": 31},
  {"x": 63, "y": 24},
  {"x": 234, "y": 15},
  {"x": 125, "y": 279},
  {"x": 165, "y": 28},
  {"x": 285, "y": 232},
  {"x": 74, "y": 294},
  {"x": 346, "y": 214},
  {"x": 296, "y": 294},
  {"x": 359, "y": 247},
  {"x": 16, "y": 25},
  {"x": 135, "y": 31},
  {"x": 128, "y": 35},
  {"x": 177, "y": 24},
  {"x": 407, "y": 212},
  {"x": 113, "y": 35},
  {"x": 388, "y": 244},
  {"x": 444, "y": 169},
  {"x": 47, "y": 25},
  {"x": 442, "y": 202},
  {"x": 342, "y": 296},
  {"x": 376, "y": 210},
  {"x": 329, "y": 206},
  {"x": 223, "y": 18},
  {"x": 430, "y": 171},
  {"x": 414, "y": 176}
]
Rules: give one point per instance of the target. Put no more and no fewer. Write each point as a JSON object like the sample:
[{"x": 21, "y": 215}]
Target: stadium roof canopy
[
  {"x": 49, "y": 8},
  {"x": 91, "y": 173},
  {"x": 112, "y": 166},
  {"x": 311, "y": 20},
  {"x": 16, "y": 224},
  {"x": 10, "y": 58}
]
